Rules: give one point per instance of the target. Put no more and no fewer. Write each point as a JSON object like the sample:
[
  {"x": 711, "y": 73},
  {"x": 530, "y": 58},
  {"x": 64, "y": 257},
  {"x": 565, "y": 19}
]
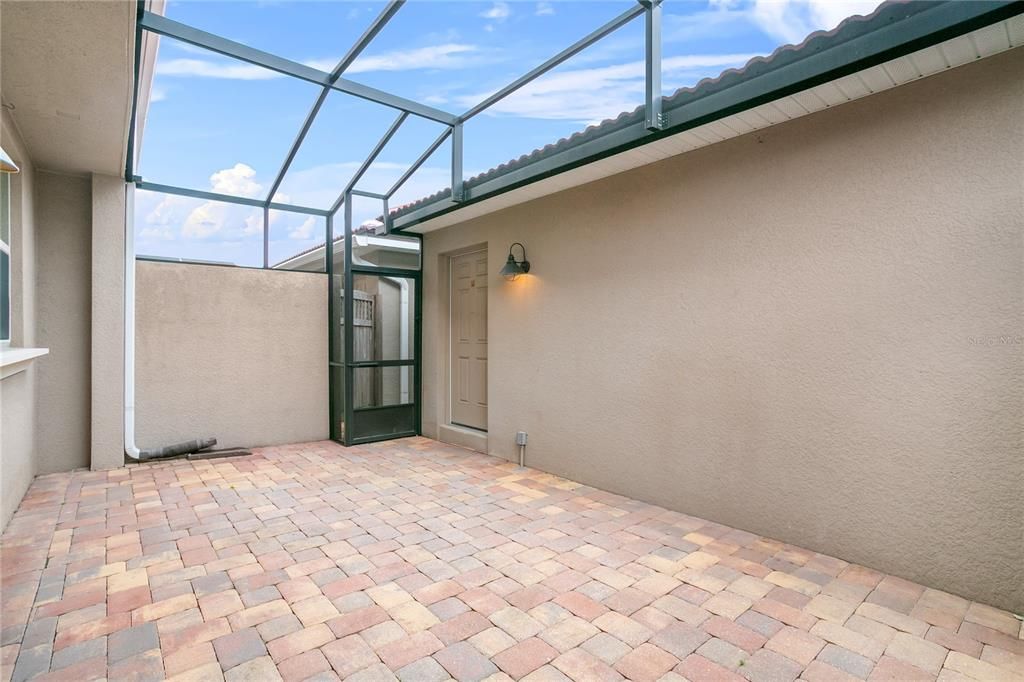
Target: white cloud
[
  {"x": 696, "y": 61},
  {"x": 196, "y": 220},
  {"x": 590, "y": 95},
  {"x": 227, "y": 221},
  {"x": 446, "y": 56},
  {"x": 320, "y": 185},
  {"x": 156, "y": 234},
  {"x": 793, "y": 20},
  {"x": 544, "y": 9},
  {"x": 253, "y": 223},
  {"x": 720, "y": 22},
  {"x": 237, "y": 180},
  {"x": 193, "y": 228},
  {"x": 786, "y": 21},
  {"x": 165, "y": 211},
  {"x": 499, "y": 11},
  {"x": 449, "y": 55},
  {"x": 203, "y": 221},
  {"x": 305, "y": 230},
  {"x": 202, "y": 68},
  {"x": 424, "y": 182},
  {"x": 183, "y": 47},
  {"x": 829, "y": 13},
  {"x": 781, "y": 20}
]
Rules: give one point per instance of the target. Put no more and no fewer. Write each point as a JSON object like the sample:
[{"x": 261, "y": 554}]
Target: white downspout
[
  {"x": 146, "y": 68},
  {"x": 130, "y": 448},
  {"x": 403, "y": 326}
]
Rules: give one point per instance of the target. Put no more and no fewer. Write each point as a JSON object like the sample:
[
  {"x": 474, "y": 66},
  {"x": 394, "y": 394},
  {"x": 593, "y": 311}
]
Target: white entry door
[{"x": 469, "y": 340}]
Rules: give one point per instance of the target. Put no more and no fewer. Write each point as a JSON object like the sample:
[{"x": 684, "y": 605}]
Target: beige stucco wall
[
  {"x": 812, "y": 332},
  {"x": 17, "y": 392},
  {"x": 17, "y": 463},
  {"x": 107, "y": 388},
  {"x": 63, "y": 320},
  {"x": 234, "y": 353},
  {"x": 65, "y": 410}
]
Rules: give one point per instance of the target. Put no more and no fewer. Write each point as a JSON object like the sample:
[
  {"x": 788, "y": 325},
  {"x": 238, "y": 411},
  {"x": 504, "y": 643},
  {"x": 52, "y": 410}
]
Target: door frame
[
  {"x": 407, "y": 415},
  {"x": 415, "y": 403},
  {"x": 449, "y": 300}
]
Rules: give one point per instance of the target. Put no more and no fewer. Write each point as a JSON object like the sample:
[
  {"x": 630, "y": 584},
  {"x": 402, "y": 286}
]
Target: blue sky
[{"x": 220, "y": 125}]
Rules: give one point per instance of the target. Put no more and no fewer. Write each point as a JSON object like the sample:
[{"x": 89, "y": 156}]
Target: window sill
[{"x": 14, "y": 360}]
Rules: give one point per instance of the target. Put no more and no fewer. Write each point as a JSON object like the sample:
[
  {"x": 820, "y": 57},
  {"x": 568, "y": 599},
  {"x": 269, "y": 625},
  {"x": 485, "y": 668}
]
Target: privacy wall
[
  {"x": 234, "y": 353},
  {"x": 811, "y": 332}
]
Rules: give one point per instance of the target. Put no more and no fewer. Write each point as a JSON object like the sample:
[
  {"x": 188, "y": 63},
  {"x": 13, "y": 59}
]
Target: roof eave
[{"x": 896, "y": 30}]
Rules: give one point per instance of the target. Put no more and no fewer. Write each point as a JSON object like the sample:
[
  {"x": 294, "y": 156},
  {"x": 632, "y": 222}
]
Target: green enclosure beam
[
  {"x": 161, "y": 25},
  {"x": 457, "y": 193},
  {"x": 575, "y": 48},
  {"x": 226, "y": 198},
  {"x": 419, "y": 162},
  {"x": 346, "y": 193},
  {"x": 652, "y": 62},
  {"x": 371, "y": 32}
]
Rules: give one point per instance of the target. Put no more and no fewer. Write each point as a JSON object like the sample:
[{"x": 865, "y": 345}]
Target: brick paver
[{"x": 420, "y": 561}]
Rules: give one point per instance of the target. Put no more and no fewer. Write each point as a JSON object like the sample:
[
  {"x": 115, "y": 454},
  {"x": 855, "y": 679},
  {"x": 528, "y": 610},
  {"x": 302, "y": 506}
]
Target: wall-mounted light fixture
[{"x": 513, "y": 268}]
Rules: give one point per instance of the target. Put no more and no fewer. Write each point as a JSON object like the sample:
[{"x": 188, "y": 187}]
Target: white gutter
[
  {"x": 299, "y": 261},
  {"x": 150, "y": 48},
  {"x": 130, "y": 448}
]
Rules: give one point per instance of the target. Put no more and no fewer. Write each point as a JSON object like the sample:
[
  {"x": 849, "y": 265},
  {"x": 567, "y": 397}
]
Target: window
[{"x": 5, "y": 258}]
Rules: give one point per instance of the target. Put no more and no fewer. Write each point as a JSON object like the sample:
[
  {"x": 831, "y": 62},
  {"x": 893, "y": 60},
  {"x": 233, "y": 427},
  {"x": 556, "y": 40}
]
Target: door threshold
[
  {"x": 463, "y": 436},
  {"x": 466, "y": 427}
]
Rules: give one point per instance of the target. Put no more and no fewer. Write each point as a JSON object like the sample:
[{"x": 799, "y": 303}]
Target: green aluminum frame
[
  {"x": 411, "y": 412},
  {"x": 912, "y": 26},
  {"x": 162, "y": 26}
]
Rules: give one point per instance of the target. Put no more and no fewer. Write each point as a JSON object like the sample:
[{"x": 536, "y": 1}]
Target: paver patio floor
[{"x": 417, "y": 560}]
